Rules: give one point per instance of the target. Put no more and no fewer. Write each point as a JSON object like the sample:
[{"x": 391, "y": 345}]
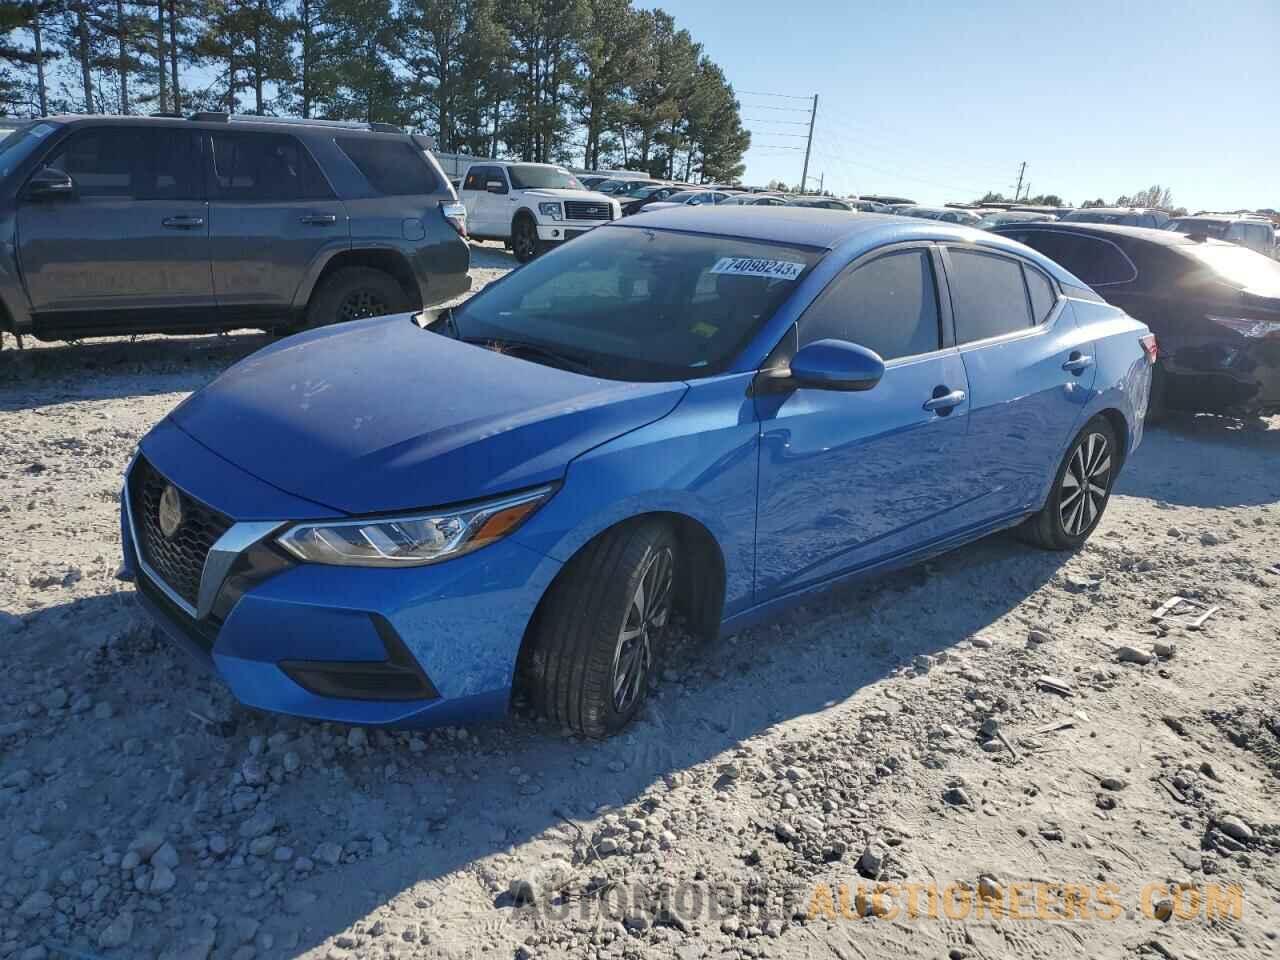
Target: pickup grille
[{"x": 588, "y": 210}]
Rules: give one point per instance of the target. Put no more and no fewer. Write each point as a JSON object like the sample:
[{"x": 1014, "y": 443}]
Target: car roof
[
  {"x": 814, "y": 227},
  {"x": 1123, "y": 210},
  {"x": 235, "y": 123},
  {"x": 1168, "y": 238}
]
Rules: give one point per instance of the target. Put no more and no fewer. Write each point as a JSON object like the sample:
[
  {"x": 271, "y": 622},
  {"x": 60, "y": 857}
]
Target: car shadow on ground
[
  {"x": 118, "y": 367},
  {"x": 458, "y": 802},
  {"x": 1206, "y": 461}
]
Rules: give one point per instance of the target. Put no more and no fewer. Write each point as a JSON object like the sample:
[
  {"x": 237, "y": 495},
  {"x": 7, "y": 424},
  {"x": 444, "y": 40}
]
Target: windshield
[
  {"x": 634, "y": 304},
  {"x": 531, "y": 176},
  {"x": 1241, "y": 266},
  {"x": 684, "y": 196},
  {"x": 637, "y": 188},
  {"x": 1210, "y": 228},
  {"x": 20, "y": 143}
]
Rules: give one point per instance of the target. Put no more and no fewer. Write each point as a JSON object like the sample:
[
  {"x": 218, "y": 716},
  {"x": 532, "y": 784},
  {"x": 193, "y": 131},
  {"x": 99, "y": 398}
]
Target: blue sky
[{"x": 942, "y": 101}]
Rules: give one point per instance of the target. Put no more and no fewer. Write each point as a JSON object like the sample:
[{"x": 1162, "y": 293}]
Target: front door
[
  {"x": 1030, "y": 369},
  {"x": 273, "y": 215},
  {"x": 129, "y": 249},
  {"x": 849, "y": 479}
]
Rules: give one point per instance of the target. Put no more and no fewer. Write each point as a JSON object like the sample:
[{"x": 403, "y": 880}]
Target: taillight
[
  {"x": 1248, "y": 327},
  {"x": 456, "y": 214},
  {"x": 1150, "y": 347}
]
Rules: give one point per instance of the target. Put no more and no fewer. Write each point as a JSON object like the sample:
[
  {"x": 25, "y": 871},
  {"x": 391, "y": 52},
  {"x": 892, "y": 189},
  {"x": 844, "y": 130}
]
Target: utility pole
[
  {"x": 804, "y": 177},
  {"x": 1017, "y": 192},
  {"x": 822, "y": 178}
]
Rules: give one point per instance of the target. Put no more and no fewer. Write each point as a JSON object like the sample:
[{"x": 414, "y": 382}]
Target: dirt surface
[{"x": 896, "y": 733}]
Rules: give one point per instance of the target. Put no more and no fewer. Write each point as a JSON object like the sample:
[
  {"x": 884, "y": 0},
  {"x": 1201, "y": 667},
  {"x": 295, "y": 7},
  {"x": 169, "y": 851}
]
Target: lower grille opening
[{"x": 397, "y": 678}]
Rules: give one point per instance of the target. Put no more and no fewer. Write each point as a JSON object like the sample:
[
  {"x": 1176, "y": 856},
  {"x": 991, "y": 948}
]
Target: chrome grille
[
  {"x": 178, "y": 560},
  {"x": 588, "y": 210}
]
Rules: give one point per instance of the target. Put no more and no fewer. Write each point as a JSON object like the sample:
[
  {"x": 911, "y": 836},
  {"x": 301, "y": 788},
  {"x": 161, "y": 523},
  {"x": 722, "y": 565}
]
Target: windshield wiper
[{"x": 533, "y": 350}]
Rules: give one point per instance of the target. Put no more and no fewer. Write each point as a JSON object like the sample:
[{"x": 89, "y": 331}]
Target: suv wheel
[
  {"x": 597, "y": 640},
  {"x": 524, "y": 239},
  {"x": 354, "y": 293}
]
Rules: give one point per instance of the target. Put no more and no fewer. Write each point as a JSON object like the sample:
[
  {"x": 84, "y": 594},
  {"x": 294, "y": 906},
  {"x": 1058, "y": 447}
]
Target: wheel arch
[
  {"x": 1116, "y": 420},
  {"x": 523, "y": 213},
  {"x": 701, "y": 577},
  {"x": 386, "y": 259}
]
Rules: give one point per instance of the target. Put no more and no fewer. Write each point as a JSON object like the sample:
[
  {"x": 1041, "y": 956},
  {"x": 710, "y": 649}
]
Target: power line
[
  {"x": 790, "y": 123},
  {"x": 785, "y": 96}
]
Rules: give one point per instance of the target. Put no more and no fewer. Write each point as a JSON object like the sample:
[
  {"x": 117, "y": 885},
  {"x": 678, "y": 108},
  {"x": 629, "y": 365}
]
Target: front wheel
[
  {"x": 1081, "y": 490},
  {"x": 524, "y": 239},
  {"x": 597, "y": 638}
]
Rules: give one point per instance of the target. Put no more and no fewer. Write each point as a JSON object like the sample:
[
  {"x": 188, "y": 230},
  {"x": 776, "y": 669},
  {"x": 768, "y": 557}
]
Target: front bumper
[
  {"x": 563, "y": 230},
  {"x": 417, "y": 646}
]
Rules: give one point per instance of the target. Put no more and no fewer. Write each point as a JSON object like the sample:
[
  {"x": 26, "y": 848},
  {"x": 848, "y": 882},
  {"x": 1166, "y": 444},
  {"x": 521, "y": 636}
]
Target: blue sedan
[{"x": 705, "y": 413}]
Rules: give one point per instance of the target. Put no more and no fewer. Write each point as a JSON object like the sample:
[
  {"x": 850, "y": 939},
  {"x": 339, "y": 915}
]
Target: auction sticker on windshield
[{"x": 754, "y": 267}]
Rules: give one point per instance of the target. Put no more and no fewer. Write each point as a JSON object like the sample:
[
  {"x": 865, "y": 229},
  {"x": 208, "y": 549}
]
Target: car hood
[
  {"x": 381, "y": 415},
  {"x": 549, "y": 193}
]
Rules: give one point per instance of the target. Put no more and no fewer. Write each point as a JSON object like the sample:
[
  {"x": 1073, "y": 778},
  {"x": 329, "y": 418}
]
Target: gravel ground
[{"x": 900, "y": 733}]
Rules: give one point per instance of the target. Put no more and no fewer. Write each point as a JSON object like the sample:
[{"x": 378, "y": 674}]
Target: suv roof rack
[{"x": 215, "y": 117}]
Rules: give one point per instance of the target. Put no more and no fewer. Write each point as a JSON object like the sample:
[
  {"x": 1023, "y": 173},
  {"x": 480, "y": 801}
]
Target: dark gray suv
[{"x": 121, "y": 225}]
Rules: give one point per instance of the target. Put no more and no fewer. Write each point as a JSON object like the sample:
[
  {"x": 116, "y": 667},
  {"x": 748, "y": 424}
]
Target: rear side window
[
  {"x": 1094, "y": 261},
  {"x": 393, "y": 167},
  {"x": 889, "y": 305},
  {"x": 265, "y": 168},
  {"x": 988, "y": 295},
  {"x": 1042, "y": 295},
  {"x": 132, "y": 163}
]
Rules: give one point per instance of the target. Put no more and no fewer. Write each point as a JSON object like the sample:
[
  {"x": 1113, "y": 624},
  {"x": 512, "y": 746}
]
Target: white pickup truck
[{"x": 531, "y": 206}]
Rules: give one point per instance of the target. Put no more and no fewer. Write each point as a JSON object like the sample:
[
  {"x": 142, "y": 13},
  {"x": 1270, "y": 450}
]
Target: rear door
[
  {"x": 272, "y": 215},
  {"x": 849, "y": 479},
  {"x": 1030, "y": 371},
  {"x": 129, "y": 250}
]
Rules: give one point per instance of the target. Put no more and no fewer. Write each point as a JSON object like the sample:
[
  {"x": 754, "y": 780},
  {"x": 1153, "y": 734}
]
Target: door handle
[
  {"x": 1077, "y": 363},
  {"x": 182, "y": 223},
  {"x": 945, "y": 402},
  {"x": 318, "y": 219}
]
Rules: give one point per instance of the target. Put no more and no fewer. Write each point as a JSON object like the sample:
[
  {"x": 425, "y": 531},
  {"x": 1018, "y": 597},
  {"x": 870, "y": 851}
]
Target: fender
[
  {"x": 651, "y": 470},
  {"x": 307, "y": 285}
]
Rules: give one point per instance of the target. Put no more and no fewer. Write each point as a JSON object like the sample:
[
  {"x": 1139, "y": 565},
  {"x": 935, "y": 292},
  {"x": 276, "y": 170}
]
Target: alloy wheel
[
  {"x": 360, "y": 304},
  {"x": 647, "y": 614},
  {"x": 1085, "y": 484}
]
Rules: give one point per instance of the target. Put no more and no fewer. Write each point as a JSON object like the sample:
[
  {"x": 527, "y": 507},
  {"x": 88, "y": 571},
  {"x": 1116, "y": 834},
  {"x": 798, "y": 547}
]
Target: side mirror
[
  {"x": 48, "y": 183},
  {"x": 836, "y": 365},
  {"x": 495, "y": 186}
]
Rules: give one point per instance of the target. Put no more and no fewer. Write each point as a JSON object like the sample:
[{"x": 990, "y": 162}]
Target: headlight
[
  {"x": 411, "y": 540},
  {"x": 553, "y": 210}
]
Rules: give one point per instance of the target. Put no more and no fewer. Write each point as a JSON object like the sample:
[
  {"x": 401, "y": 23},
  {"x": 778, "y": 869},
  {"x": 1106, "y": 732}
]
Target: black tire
[
  {"x": 524, "y": 238},
  {"x": 577, "y": 665},
  {"x": 1067, "y": 518},
  {"x": 354, "y": 293}
]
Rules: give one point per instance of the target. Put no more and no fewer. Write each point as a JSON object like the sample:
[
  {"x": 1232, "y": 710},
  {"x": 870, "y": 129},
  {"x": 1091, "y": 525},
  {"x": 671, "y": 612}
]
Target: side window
[
  {"x": 475, "y": 179},
  {"x": 133, "y": 163},
  {"x": 988, "y": 295},
  {"x": 889, "y": 305},
  {"x": 1043, "y": 296},
  {"x": 1096, "y": 262},
  {"x": 1235, "y": 231},
  {"x": 264, "y": 168},
  {"x": 393, "y": 167}
]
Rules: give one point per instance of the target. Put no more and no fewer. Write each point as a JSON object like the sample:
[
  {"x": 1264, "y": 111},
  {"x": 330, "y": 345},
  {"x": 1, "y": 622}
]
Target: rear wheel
[
  {"x": 598, "y": 636},
  {"x": 1080, "y": 490},
  {"x": 524, "y": 239},
  {"x": 355, "y": 293}
]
